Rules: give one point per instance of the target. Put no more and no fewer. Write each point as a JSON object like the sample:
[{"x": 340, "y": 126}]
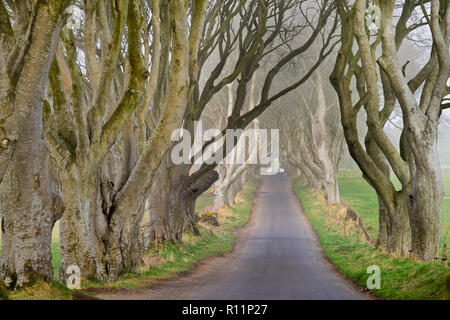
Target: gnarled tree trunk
[
  {"x": 82, "y": 227},
  {"x": 28, "y": 205},
  {"x": 159, "y": 226},
  {"x": 27, "y": 209},
  {"x": 426, "y": 195},
  {"x": 394, "y": 234}
]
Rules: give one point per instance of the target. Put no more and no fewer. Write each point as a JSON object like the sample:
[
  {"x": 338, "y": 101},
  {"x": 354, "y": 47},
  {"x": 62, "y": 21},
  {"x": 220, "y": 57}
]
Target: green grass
[
  {"x": 203, "y": 203},
  {"x": 357, "y": 193},
  {"x": 41, "y": 290},
  {"x": 56, "y": 259},
  {"x": 400, "y": 279}
]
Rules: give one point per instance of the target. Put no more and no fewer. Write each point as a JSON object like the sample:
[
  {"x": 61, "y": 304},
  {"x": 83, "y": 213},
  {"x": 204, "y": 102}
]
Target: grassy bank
[
  {"x": 400, "y": 278},
  {"x": 165, "y": 261}
]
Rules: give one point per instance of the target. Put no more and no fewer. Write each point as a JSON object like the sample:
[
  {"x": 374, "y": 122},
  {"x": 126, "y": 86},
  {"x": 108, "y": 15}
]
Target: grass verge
[{"x": 400, "y": 278}]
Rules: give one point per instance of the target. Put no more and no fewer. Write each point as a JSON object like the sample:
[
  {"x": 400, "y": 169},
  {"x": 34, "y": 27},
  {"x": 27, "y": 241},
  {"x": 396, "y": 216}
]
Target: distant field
[{"x": 356, "y": 192}]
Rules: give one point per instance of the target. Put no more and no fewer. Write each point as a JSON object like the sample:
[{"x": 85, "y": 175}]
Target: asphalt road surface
[{"x": 277, "y": 256}]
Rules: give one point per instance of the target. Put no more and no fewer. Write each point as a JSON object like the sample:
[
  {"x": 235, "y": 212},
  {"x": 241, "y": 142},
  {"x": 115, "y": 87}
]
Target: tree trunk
[
  {"x": 183, "y": 196},
  {"x": 27, "y": 202},
  {"x": 177, "y": 208},
  {"x": 80, "y": 238},
  {"x": 101, "y": 238},
  {"x": 421, "y": 121},
  {"x": 332, "y": 191},
  {"x": 122, "y": 248},
  {"x": 426, "y": 195},
  {"x": 230, "y": 194},
  {"x": 122, "y": 240},
  {"x": 159, "y": 226},
  {"x": 323, "y": 150},
  {"x": 394, "y": 234},
  {"x": 27, "y": 208},
  {"x": 382, "y": 224},
  {"x": 311, "y": 178},
  {"x": 219, "y": 197}
]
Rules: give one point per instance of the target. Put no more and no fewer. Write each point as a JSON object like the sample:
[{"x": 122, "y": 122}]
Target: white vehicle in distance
[{"x": 273, "y": 169}]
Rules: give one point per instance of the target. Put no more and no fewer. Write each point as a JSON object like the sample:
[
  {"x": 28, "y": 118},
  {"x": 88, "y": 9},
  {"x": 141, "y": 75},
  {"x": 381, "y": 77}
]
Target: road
[{"x": 277, "y": 256}]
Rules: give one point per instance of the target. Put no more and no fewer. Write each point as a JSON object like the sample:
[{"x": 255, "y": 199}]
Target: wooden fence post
[
  {"x": 444, "y": 256},
  {"x": 436, "y": 257}
]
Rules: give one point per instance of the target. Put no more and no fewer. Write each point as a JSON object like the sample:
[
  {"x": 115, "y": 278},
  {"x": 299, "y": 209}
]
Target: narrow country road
[{"x": 276, "y": 257}]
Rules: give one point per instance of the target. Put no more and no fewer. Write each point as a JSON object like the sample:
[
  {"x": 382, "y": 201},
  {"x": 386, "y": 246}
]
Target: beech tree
[
  {"x": 30, "y": 204},
  {"x": 263, "y": 32},
  {"x": 230, "y": 172},
  {"x": 312, "y": 140},
  {"x": 409, "y": 216},
  {"x": 100, "y": 226}
]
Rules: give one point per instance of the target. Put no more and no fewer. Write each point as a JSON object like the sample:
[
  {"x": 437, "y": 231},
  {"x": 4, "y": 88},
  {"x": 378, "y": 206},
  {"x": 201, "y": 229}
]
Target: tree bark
[
  {"x": 421, "y": 121},
  {"x": 394, "y": 234},
  {"x": 159, "y": 226},
  {"x": 323, "y": 150},
  {"x": 219, "y": 197},
  {"x": 427, "y": 192},
  {"x": 27, "y": 208},
  {"x": 82, "y": 227}
]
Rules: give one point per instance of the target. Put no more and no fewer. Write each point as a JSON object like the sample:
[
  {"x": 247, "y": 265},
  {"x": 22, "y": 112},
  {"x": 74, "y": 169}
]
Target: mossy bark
[
  {"x": 29, "y": 206},
  {"x": 27, "y": 209}
]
